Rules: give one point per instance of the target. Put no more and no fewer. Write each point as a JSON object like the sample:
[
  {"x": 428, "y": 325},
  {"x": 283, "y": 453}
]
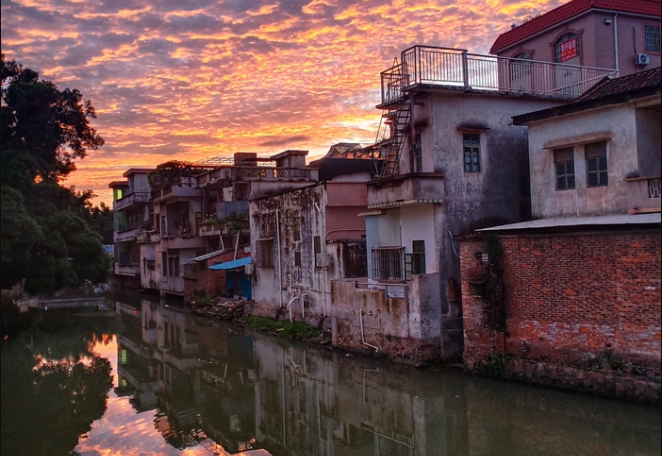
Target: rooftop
[
  {"x": 607, "y": 220},
  {"x": 572, "y": 9},
  {"x": 606, "y": 92}
]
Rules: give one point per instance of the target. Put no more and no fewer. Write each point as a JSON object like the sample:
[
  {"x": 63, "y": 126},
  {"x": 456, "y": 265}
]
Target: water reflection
[
  {"x": 218, "y": 387},
  {"x": 186, "y": 386}
]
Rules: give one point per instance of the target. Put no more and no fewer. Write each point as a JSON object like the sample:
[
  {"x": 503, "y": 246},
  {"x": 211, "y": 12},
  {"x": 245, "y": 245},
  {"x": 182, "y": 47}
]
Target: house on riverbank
[{"x": 572, "y": 298}]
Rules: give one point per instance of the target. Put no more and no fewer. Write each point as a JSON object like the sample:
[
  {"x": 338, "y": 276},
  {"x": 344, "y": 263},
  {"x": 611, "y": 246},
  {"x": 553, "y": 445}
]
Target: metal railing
[
  {"x": 654, "y": 187},
  {"x": 458, "y": 68},
  {"x": 388, "y": 263}
]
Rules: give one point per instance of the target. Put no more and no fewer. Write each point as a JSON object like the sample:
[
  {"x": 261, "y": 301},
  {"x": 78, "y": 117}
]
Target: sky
[{"x": 190, "y": 79}]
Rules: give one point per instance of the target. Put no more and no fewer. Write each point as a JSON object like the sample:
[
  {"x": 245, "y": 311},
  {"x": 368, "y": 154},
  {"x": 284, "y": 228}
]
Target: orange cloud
[{"x": 171, "y": 81}]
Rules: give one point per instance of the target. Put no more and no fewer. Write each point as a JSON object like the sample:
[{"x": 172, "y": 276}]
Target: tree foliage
[{"x": 50, "y": 234}]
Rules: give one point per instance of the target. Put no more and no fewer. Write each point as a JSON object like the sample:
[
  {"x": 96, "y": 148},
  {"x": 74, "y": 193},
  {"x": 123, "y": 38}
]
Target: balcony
[
  {"x": 424, "y": 66},
  {"x": 406, "y": 189},
  {"x": 127, "y": 269},
  {"x": 210, "y": 230},
  {"x": 132, "y": 199},
  {"x": 643, "y": 194},
  {"x": 127, "y": 235}
]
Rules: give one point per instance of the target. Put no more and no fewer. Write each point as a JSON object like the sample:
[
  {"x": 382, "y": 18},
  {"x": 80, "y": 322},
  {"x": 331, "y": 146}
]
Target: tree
[{"x": 46, "y": 238}]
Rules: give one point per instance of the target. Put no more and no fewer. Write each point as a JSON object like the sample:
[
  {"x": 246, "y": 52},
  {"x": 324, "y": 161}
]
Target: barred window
[
  {"x": 596, "y": 164},
  {"x": 387, "y": 263},
  {"x": 566, "y": 47},
  {"x": 565, "y": 168},
  {"x": 471, "y": 144},
  {"x": 652, "y": 36},
  {"x": 416, "y": 154},
  {"x": 418, "y": 249},
  {"x": 265, "y": 253}
]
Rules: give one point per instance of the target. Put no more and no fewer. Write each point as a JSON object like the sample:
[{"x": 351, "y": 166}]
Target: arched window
[
  {"x": 520, "y": 72},
  {"x": 566, "y": 47}
]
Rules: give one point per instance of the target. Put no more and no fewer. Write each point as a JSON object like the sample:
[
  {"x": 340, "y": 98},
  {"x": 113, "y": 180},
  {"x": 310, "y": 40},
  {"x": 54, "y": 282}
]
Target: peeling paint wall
[{"x": 294, "y": 228}]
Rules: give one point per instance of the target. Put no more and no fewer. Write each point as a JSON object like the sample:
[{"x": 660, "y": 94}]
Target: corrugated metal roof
[
  {"x": 624, "y": 219},
  {"x": 569, "y": 10}
]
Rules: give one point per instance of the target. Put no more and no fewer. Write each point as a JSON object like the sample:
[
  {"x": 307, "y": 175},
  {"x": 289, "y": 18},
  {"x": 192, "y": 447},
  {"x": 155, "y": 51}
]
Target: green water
[{"x": 151, "y": 379}]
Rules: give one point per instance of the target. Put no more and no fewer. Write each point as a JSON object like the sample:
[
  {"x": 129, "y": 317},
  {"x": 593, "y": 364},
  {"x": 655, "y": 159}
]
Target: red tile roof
[
  {"x": 569, "y": 10},
  {"x": 624, "y": 84}
]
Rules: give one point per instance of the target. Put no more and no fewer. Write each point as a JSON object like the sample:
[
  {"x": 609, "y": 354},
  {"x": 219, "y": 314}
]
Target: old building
[
  {"x": 572, "y": 298},
  {"x": 453, "y": 163},
  {"x": 303, "y": 238},
  {"x": 619, "y": 34},
  {"x": 131, "y": 214}
]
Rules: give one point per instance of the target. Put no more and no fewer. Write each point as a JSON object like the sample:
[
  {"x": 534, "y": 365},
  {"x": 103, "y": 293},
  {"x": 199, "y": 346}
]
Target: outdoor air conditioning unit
[
  {"x": 642, "y": 59},
  {"x": 249, "y": 269}
]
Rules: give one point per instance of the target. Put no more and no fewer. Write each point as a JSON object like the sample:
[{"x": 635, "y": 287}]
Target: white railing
[{"x": 456, "y": 68}]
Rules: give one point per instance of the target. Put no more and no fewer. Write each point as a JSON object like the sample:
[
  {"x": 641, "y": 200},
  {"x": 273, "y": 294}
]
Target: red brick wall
[{"x": 580, "y": 300}]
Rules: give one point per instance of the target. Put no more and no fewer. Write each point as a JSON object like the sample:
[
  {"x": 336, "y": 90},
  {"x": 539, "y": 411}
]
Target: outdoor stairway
[{"x": 400, "y": 123}]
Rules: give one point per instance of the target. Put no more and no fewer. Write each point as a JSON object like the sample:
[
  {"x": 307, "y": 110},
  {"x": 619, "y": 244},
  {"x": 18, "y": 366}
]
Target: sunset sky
[{"x": 178, "y": 79}]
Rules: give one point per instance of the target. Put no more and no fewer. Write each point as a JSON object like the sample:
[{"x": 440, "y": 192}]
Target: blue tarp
[{"x": 232, "y": 264}]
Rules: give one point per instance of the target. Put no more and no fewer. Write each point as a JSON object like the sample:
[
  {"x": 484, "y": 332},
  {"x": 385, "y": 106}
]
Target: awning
[{"x": 231, "y": 264}]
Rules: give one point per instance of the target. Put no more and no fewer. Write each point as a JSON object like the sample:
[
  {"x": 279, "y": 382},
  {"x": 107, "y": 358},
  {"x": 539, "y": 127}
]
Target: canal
[{"x": 149, "y": 378}]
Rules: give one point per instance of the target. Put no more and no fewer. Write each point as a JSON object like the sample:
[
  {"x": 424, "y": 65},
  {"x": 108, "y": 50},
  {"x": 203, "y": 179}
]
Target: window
[
  {"x": 565, "y": 168},
  {"x": 297, "y": 258},
  {"x": 297, "y": 229},
  {"x": 566, "y": 47},
  {"x": 387, "y": 263},
  {"x": 416, "y": 155},
  {"x": 164, "y": 264},
  {"x": 596, "y": 164},
  {"x": 173, "y": 265},
  {"x": 471, "y": 143},
  {"x": 265, "y": 253},
  {"x": 418, "y": 263},
  {"x": 652, "y": 36},
  {"x": 317, "y": 248}
]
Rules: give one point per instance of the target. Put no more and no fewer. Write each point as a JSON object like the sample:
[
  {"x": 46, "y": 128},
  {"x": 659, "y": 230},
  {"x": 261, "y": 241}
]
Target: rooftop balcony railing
[
  {"x": 130, "y": 199},
  {"x": 257, "y": 172},
  {"x": 457, "y": 68}
]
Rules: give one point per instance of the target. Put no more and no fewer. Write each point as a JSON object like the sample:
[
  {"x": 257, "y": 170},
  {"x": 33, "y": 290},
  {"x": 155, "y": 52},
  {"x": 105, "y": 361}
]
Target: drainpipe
[
  {"x": 363, "y": 332},
  {"x": 618, "y": 72},
  {"x": 236, "y": 245},
  {"x": 280, "y": 265}
]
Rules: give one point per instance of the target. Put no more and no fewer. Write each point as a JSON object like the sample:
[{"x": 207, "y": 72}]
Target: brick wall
[{"x": 582, "y": 311}]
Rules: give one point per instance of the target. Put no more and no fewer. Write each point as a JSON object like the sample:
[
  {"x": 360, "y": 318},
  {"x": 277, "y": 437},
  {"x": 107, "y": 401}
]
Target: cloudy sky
[{"x": 188, "y": 79}]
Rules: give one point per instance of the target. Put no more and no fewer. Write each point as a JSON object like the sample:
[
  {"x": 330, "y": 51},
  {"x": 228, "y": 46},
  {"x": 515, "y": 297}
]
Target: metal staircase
[{"x": 400, "y": 123}]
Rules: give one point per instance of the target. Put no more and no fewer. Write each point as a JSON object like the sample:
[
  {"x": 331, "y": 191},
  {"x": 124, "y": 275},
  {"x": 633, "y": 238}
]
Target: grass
[{"x": 293, "y": 329}]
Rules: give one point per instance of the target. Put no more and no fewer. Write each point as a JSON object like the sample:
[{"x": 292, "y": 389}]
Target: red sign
[{"x": 569, "y": 49}]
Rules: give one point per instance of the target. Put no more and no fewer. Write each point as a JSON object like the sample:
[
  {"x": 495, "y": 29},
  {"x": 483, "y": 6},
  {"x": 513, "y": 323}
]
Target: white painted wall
[{"x": 418, "y": 225}]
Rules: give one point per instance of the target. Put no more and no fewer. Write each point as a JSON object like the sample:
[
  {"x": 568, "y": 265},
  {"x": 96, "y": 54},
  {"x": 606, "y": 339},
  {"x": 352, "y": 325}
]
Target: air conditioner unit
[
  {"x": 249, "y": 269},
  {"x": 642, "y": 59}
]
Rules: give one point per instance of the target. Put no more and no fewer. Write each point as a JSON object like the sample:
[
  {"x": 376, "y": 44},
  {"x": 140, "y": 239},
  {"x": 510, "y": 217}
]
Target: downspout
[
  {"x": 280, "y": 265},
  {"x": 618, "y": 71},
  {"x": 236, "y": 244},
  {"x": 363, "y": 332}
]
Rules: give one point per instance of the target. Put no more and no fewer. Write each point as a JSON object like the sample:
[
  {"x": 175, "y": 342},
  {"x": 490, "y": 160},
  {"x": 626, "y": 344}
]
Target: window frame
[
  {"x": 418, "y": 257},
  {"x": 567, "y": 36},
  {"x": 653, "y": 40},
  {"x": 566, "y": 175},
  {"x": 473, "y": 154},
  {"x": 265, "y": 253},
  {"x": 416, "y": 153},
  {"x": 388, "y": 263},
  {"x": 597, "y": 159}
]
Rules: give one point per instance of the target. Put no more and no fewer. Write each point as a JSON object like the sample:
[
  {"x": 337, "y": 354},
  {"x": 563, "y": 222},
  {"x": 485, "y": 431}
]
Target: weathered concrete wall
[
  {"x": 305, "y": 217},
  {"x": 633, "y": 149},
  {"x": 582, "y": 311},
  {"x": 401, "y": 320},
  {"x": 618, "y": 125}
]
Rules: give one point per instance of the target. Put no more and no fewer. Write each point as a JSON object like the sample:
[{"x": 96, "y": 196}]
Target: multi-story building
[
  {"x": 132, "y": 214},
  {"x": 305, "y": 237},
  {"x": 619, "y": 34},
  {"x": 579, "y": 299},
  {"x": 454, "y": 163}
]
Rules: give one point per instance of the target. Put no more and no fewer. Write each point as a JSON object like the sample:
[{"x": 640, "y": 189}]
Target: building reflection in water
[{"x": 214, "y": 385}]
